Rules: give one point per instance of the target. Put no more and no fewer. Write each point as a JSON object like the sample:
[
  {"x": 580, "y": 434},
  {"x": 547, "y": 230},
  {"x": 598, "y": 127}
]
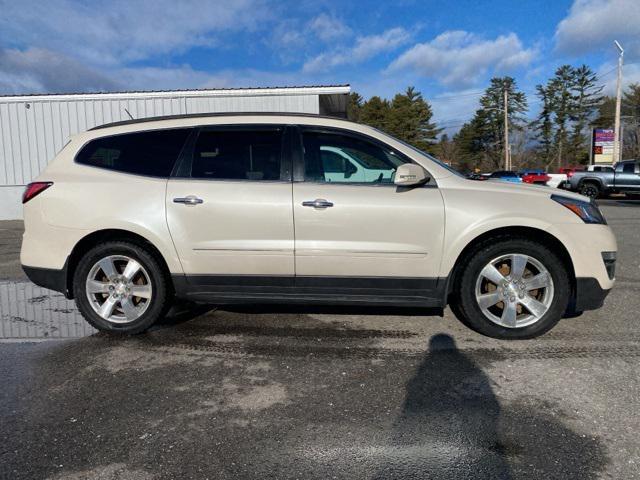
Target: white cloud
[
  {"x": 460, "y": 59},
  {"x": 121, "y": 31},
  {"x": 328, "y": 28},
  {"x": 366, "y": 47},
  {"x": 594, "y": 24},
  {"x": 39, "y": 71},
  {"x": 608, "y": 78}
]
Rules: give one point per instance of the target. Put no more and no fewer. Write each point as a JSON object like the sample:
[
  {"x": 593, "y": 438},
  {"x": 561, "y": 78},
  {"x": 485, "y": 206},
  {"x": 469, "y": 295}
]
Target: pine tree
[
  {"x": 543, "y": 125},
  {"x": 485, "y": 132},
  {"x": 375, "y": 113},
  {"x": 354, "y": 106},
  {"x": 631, "y": 112},
  {"x": 410, "y": 120},
  {"x": 560, "y": 88},
  {"x": 586, "y": 98}
]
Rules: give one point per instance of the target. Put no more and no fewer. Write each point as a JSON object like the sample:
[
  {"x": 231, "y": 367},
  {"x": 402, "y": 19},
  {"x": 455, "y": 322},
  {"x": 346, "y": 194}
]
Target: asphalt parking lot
[{"x": 251, "y": 393}]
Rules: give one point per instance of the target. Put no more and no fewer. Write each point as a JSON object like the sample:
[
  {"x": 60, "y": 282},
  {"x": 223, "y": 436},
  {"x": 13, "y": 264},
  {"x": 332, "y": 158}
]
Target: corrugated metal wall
[
  {"x": 34, "y": 129},
  {"x": 32, "y": 132}
]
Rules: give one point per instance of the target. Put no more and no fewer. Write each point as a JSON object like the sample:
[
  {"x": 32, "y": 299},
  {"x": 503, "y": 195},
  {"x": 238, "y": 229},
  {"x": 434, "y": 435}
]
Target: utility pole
[
  {"x": 617, "y": 153},
  {"x": 506, "y": 130}
]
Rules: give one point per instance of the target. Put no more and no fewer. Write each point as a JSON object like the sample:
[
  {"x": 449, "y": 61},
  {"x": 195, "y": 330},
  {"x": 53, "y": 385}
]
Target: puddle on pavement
[{"x": 31, "y": 312}]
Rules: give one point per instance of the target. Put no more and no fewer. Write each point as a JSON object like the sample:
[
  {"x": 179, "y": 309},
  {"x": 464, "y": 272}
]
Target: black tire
[
  {"x": 160, "y": 300},
  {"x": 590, "y": 189},
  {"x": 466, "y": 308}
]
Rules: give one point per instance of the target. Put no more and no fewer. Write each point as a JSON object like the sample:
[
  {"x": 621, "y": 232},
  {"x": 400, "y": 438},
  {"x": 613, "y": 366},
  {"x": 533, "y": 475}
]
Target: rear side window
[
  {"x": 238, "y": 154},
  {"x": 145, "y": 153}
]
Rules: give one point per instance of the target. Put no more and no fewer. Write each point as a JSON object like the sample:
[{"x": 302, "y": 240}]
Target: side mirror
[{"x": 410, "y": 174}]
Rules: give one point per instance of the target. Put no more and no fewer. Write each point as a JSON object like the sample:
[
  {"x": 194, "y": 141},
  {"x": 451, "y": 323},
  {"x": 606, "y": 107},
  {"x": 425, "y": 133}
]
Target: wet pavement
[{"x": 256, "y": 393}]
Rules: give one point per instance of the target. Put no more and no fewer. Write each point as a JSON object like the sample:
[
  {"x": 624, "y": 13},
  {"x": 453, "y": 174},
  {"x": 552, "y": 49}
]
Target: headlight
[{"x": 587, "y": 211}]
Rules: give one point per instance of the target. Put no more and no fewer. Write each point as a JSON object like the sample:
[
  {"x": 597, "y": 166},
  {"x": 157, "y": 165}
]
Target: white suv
[{"x": 238, "y": 209}]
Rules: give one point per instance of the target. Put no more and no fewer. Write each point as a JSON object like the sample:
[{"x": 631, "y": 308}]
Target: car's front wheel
[
  {"x": 120, "y": 287},
  {"x": 512, "y": 288}
]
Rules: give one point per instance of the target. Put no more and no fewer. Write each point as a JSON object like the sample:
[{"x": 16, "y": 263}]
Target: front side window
[
  {"x": 339, "y": 158},
  {"x": 150, "y": 153},
  {"x": 238, "y": 155}
]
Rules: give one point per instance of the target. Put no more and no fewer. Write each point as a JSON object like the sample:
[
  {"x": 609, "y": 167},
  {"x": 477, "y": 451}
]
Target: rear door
[
  {"x": 229, "y": 206},
  {"x": 359, "y": 234}
]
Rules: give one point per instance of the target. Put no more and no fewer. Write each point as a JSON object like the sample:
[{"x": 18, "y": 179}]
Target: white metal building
[{"x": 33, "y": 128}]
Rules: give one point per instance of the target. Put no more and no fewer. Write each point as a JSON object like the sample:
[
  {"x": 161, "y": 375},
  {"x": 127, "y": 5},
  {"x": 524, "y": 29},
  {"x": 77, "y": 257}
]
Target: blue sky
[{"x": 447, "y": 49}]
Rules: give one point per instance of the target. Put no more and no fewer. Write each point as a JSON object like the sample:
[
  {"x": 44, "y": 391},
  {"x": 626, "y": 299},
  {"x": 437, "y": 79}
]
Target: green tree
[
  {"x": 469, "y": 145},
  {"x": 560, "y": 88},
  {"x": 543, "y": 125},
  {"x": 354, "y": 106},
  {"x": 631, "y": 121},
  {"x": 483, "y": 136},
  {"x": 586, "y": 98},
  {"x": 409, "y": 119},
  {"x": 375, "y": 112}
]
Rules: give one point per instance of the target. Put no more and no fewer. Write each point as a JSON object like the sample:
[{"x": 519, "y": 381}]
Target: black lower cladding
[
  {"x": 589, "y": 294},
  {"x": 50, "y": 278},
  {"x": 398, "y": 291}
]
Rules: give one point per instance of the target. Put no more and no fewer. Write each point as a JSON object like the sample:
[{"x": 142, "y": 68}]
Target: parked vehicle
[
  {"x": 556, "y": 180},
  {"x": 569, "y": 171},
  {"x": 600, "y": 168},
  {"x": 131, "y": 215},
  {"x": 624, "y": 178},
  {"x": 505, "y": 176},
  {"x": 536, "y": 178},
  {"x": 345, "y": 165}
]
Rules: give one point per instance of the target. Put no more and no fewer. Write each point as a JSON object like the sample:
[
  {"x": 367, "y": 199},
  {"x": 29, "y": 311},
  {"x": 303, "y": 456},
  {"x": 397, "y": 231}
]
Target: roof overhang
[{"x": 221, "y": 92}]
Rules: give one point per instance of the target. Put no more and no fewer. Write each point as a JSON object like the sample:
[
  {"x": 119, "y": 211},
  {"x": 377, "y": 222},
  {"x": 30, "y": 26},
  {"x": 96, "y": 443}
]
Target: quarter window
[
  {"x": 238, "y": 155},
  {"x": 337, "y": 158},
  {"x": 150, "y": 153}
]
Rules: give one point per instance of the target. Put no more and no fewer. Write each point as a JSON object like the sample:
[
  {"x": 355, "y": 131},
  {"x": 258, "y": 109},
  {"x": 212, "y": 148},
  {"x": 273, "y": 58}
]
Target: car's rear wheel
[
  {"x": 512, "y": 289},
  {"x": 120, "y": 287},
  {"x": 590, "y": 190}
]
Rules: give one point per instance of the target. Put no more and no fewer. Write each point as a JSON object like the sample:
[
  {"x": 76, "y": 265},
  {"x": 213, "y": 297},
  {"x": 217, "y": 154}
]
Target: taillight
[
  {"x": 570, "y": 174},
  {"x": 33, "y": 189}
]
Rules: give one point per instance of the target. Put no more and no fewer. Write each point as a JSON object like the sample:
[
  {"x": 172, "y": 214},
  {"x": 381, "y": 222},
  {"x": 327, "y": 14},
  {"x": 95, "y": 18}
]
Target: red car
[
  {"x": 538, "y": 178},
  {"x": 569, "y": 171}
]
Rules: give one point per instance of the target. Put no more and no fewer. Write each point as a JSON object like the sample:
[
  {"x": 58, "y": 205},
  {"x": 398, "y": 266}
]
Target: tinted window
[
  {"x": 628, "y": 168},
  {"x": 502, "y": 174},
  {"x": 145, "y": 153},
  {"x": 338, "y": 158},
  {"x": 238, "y": 155}
]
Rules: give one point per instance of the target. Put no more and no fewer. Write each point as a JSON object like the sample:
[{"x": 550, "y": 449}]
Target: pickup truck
[{"x": 623, "y": 178}]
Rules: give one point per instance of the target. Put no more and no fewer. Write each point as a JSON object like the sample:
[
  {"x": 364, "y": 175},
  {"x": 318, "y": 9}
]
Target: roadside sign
[{"x": 602, "y": 146}]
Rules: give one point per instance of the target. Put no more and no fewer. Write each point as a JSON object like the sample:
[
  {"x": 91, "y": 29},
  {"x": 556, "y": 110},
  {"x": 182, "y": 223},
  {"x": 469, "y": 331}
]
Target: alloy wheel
[
  {"x": 119, "y": 289},
  {"x": 514, "y": 290}
]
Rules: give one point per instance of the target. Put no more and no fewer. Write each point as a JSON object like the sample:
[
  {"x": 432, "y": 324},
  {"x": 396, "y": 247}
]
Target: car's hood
[{"x": 511, "y": 188}]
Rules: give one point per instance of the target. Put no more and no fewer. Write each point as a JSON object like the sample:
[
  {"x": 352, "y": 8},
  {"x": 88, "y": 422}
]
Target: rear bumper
[
  {"x": 50, "y": 278},
  {"x": 589, "y": 295}
]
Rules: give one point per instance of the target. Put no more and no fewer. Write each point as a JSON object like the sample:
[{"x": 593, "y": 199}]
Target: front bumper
[{"x": 589, "y": 295}]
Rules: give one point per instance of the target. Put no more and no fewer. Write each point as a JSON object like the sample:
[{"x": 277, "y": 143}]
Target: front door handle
[
  {"x": 317, "y": 203},
  {"x": 188, "y": 200}
]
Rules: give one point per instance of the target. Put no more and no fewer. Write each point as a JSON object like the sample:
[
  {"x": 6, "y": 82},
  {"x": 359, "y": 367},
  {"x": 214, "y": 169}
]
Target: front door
[
  {"x": 230, "y": 214},
  {"x": 363, "y": 232}
]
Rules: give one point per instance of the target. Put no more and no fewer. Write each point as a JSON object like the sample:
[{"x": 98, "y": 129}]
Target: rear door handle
[
  {"x": 188, "y": 200},
  {"x": 317, "y": 203}
]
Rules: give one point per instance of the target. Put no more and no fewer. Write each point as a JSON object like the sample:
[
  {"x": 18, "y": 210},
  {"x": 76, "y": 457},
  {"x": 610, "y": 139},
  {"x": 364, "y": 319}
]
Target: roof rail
[{"x": 213, "y": 115}]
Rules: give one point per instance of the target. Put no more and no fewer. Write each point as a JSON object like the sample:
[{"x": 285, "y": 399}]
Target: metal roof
[
  {"x": 195, "y": 92},
  {"x": 210, "y": 115}
]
